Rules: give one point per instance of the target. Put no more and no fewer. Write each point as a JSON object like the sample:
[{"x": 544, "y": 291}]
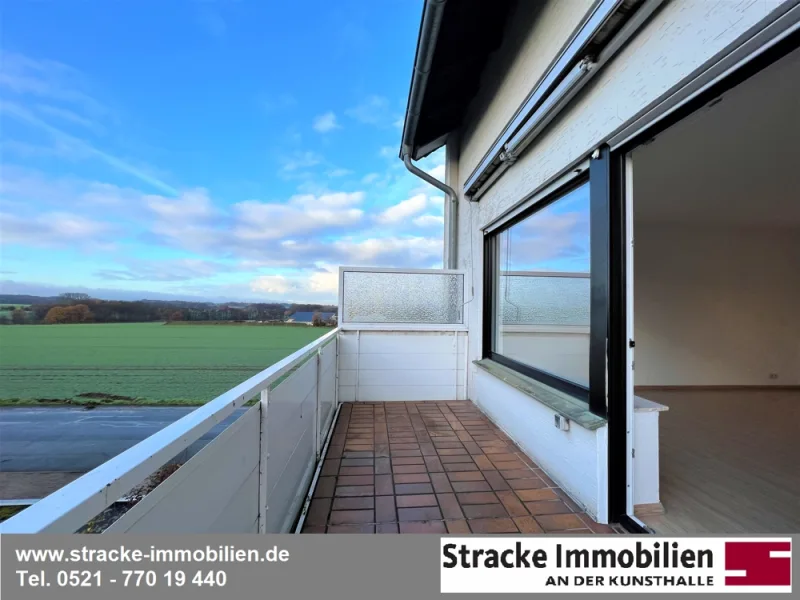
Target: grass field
[{"x": 137, "y": 363}]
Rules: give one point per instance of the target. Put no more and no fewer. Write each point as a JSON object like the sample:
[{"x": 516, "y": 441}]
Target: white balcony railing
[
  {"x": 253, "y": 477},
  {"x": 402, "y": 337}
]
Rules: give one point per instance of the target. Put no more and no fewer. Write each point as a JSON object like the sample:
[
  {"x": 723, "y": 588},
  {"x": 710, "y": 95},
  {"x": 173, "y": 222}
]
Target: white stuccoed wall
[
  {"x": 571, "y": 458},
  {"x": 680, "y": 38}
]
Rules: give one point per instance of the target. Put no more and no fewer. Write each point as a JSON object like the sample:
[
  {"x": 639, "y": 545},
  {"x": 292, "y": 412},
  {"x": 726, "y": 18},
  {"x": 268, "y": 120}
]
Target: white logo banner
[{"x": 616, "y": 565}]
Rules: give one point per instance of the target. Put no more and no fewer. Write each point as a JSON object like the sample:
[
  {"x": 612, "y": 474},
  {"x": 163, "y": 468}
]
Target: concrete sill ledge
[{"x": 566, "y": 406}]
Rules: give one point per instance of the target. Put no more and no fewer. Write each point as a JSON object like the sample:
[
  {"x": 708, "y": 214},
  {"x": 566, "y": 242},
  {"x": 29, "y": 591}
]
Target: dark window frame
[{"x": 577, "y": 391}]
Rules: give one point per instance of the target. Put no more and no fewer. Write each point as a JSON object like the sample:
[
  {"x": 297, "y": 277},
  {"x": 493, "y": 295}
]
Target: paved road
[{"x": 76, "y": 439}]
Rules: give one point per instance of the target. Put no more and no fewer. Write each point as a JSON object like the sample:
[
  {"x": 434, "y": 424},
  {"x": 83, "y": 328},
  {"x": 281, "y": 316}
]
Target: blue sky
[{"x": 211, "y": 149}]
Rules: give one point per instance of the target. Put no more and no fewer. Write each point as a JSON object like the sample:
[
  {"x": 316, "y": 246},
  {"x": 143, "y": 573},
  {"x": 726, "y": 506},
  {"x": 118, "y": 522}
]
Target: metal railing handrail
[{"x": 72, "y": 506}]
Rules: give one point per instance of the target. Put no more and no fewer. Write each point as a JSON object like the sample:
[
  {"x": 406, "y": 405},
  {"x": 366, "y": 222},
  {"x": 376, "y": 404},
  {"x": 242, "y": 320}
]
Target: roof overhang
[{"x": 455, "y": 40}]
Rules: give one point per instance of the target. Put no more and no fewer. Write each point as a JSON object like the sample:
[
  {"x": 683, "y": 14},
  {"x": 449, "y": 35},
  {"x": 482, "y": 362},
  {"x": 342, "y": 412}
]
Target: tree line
[{"x": 80, "y": 308}]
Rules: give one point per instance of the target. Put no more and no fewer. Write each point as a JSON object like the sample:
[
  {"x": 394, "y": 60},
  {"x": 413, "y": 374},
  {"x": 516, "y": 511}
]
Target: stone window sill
[{"x": 565, "y": 405}]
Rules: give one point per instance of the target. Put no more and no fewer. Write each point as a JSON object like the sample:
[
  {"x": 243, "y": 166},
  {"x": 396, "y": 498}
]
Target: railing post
[
  {"x": 336, "y": 375},
  {"x": 263, "y": 448},
  {"x": 358, "y": 363},
  {"x": 317, "y": 424}
]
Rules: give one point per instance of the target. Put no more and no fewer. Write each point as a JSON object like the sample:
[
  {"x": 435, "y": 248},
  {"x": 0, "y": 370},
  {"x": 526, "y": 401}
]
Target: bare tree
[{"x": 75, "y": 296}]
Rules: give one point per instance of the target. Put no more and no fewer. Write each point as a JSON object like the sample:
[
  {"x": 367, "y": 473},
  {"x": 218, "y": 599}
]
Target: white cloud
[
  {"x": 272, "y": 284},
  {"x": 395, "y": 251},
  {"x": 551, "y": 236},
  {"x": 26, "y": 76},
  {"x": 300, "y": 160},
  {"x": 83, "y": 147},
  {"x": 190, "y": 205},
  {"x": 373, "y": 110},
  {"x": 319, "y": 284},
  {"x": 288, "y": 249},
  {"x": 399, "y": 123},
  {"x": 55, "y": 229},
  {"x": 57, "y": 148},
  {"x": 190, "y": 222},
  {"x": 325, "y": 280},
  {"x": 338, "y": 172},
  {"x": 326, "y": 122},
  {"x": 67, "y": 115},
  {"x": 51, "y": 97},
  {"x": 370, "y": 178},
  {"x": 183, "y": 269},
  {"x": 429, "y": 221},
  {"x": 437, "y": 202},
  {"x": 437, "y": 172},
  {"x": 302, "y": 214},
  {"x": 403, "y": 210},
  {"x": 256, "y": 264}
]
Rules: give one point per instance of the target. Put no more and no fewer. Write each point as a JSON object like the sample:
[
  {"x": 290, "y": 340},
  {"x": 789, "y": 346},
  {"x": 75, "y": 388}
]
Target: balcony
[{"x": 368, "y": 428}]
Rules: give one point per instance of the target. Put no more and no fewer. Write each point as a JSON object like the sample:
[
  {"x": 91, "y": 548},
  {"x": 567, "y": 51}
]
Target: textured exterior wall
[
  {"x": 682, "y": 36},
  {"x": 536, "y": 34}
]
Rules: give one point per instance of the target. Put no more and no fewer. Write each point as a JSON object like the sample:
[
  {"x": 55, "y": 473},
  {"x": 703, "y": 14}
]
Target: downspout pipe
[
  {"x": 452, "y": 197},
  {"x": 433, "y": 13}
]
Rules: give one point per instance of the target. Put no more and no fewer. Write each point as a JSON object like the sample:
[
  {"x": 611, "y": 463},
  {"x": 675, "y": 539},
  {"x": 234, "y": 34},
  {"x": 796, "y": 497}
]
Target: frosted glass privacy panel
[{"x": 397, "y": 297}]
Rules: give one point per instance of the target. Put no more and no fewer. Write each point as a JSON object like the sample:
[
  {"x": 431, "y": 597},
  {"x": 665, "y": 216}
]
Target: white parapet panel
[
  {"x": 386, "y": 366},
  {"x": 186, "y": 503},
  {"x": 290, "y": 445}
]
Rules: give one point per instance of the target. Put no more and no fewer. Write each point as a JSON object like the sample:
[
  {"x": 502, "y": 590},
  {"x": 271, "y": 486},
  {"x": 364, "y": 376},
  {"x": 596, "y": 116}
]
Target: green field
[{"x": 137, "y": 363}]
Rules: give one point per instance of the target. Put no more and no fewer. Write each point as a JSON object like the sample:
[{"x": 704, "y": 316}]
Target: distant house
[{"x": 308, "y": 317}]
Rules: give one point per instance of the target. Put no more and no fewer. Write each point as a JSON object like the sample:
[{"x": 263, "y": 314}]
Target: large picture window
[{"x": 538, "y": 273}]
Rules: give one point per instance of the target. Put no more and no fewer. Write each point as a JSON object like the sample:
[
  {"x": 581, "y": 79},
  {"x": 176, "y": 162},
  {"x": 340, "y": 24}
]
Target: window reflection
[{"x": 542, "y": 289}]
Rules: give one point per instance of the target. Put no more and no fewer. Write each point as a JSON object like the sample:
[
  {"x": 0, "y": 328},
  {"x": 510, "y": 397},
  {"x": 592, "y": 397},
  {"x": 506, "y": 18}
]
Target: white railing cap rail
[
  {"x": 71, "y": 507},
  {"x": 402, "y": 270}
]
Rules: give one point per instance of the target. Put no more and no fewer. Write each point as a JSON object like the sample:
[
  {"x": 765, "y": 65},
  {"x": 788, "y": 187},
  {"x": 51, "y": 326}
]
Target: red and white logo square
[{"x": 756, "y": 563}]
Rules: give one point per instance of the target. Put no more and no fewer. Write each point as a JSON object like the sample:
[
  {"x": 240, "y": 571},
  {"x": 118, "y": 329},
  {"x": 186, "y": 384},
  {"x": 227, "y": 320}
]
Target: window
[{"x": 538, "y": 274}]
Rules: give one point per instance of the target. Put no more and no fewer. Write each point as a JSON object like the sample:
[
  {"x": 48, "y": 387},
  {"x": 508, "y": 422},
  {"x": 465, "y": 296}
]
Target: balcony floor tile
[{"x": 438, "y": 467}]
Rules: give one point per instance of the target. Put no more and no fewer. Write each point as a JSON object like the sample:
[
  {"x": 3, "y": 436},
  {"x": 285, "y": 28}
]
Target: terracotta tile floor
[{"x": 434, "y": 467}]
